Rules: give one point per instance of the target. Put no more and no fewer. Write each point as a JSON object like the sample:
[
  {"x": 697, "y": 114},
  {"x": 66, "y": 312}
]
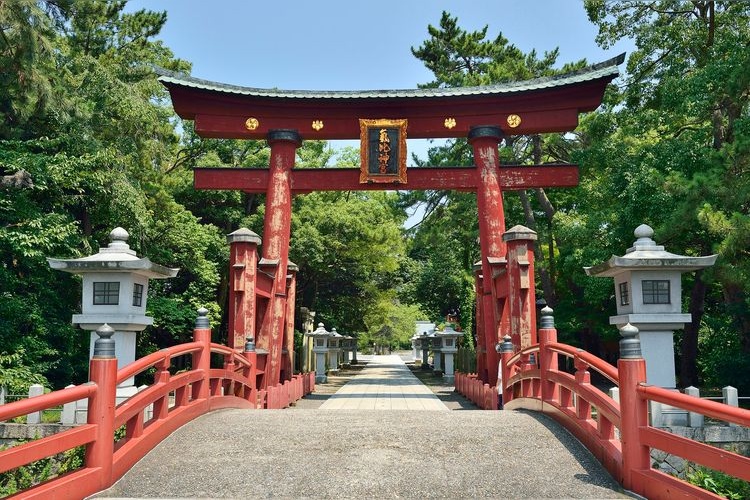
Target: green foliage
[
  {"x": 721, "y": 360},
  {"x": 719, "y": 483},
  {"x": 15, "y": 376},
  {"x": 671, "y": 149},
  {"x": 348, "y": 247},
  {"x": 25, "y": 477}
]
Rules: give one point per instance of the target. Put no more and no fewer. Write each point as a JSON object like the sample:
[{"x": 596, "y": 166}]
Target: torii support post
[
  {"x": 276, "y": 229},
  {"x": 479, "y": 323},
  {"x": 521, "y": 292},
  {"x": 243, "y": 261},
  {"x": 291, "y": 297},
  {"x": 484, "y": 140}
]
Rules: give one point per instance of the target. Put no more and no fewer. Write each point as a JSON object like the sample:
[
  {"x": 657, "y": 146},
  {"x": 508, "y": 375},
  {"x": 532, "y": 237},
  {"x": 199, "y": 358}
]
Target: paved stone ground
[
  {"x": 358, "y": 453},
  {"x": 386, "y": 384}
]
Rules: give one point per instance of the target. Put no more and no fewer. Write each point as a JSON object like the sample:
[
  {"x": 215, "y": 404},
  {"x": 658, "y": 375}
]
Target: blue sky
[{"x": 353, "y": 45}]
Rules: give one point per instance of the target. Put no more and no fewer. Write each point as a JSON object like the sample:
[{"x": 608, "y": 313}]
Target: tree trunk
[
  {"x": 734, "y": 298},
  {"x": 689, "y": 347}
]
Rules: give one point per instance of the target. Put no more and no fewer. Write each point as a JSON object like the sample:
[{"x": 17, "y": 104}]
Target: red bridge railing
[
  {"x": 618, "y": 433},
  {"x": 117, "y": 436}
]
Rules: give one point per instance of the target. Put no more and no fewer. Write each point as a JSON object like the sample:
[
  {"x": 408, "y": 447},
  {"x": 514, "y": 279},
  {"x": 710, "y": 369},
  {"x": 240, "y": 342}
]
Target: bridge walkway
[{"x": 367, "y": 442}]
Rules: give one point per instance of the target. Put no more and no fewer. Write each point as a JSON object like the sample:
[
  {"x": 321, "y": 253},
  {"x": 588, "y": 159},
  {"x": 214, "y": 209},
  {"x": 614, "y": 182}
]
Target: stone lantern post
[
  {"x": 420, "y": 327},
  {"x": 334, "y": 350},
  {"x": 648, "y": 291},
  {"x": 320, "y": 348},
  {"x": 450, "y": 348},
  {"x": 437, "y": 345},
  {"x": 415, "y": 347},
  {"x": 424, "y": 343},
  {"x": 115, "y": 289},
  {"x": 347, "y": 347}
]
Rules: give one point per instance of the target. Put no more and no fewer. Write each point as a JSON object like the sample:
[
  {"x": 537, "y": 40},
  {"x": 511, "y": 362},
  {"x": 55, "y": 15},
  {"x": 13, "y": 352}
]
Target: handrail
[
  {"x": 154, "y": 358},
  {"x": 517, "y": 356},
  {"x": 228, "y": 351},
  {"x": 39, "y": 403},
  {"x": 709, "y": 408},
  {"x": 571, "y": 399},
  {"x": 594, "y": 362},
  {"x": 148, "y": 417}
]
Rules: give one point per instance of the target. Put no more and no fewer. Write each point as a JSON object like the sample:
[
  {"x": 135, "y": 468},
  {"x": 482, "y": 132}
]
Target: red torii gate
[{"x": 482, "y": 114}]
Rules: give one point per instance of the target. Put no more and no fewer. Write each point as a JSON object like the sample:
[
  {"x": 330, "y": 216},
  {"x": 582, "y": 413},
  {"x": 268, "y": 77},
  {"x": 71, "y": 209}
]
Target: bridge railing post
[
  {"x": 506, "y": 352},
  {"x": 633, "y": 410},
  {"x": 252, "y": 373},
  {"x": 101, "y": 406},
  {"x": 202, "y": 358},
  {"x": 547, "y": 359}
]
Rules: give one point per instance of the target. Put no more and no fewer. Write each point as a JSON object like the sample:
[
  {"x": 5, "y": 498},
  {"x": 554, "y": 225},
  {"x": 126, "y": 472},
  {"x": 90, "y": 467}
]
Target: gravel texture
[
  {"x": 368, "y": 454},
  {"x": 306, "y": 452}
]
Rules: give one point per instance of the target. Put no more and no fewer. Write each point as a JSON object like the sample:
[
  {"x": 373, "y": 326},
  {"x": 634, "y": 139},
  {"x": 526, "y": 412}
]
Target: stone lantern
[
  {"x": 436, "y": 344},
  {"x": 415, "y": 347},
  {"x": 115, "y": 289},
  {"x": 347, "y": 346},
  {"x": 420, "y": 327},
  {"x": 424, "y": 344},
  {"x": 320, "y": 338},
  {"x": 648, "y": 292},
  {"x": 334, "y": 350},
  {"x": 450, "y": 348}
]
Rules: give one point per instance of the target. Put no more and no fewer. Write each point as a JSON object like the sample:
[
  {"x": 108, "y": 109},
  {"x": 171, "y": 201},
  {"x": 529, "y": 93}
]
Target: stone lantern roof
[
  {"x": 320, "y": 332},
  {"x": 116, "y": 257},
  {"x": 646, "y": 255}
]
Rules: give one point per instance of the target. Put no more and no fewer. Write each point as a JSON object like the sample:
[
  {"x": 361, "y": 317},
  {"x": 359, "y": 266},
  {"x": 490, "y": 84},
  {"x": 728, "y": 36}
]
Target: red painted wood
[
  {"x": 706, "y": 407},
  {"x": 709, "y": 456},
  {"x": 223, "y": 115},
  {"x": 35, "y": 450},
  {"x": 548, "y": 363},
  {"x": 39, "y": 403},
  {"x": 521, "y": 291},
  {"x": 491, "y": 229},
  {"x": 479, "y": 323},
  {"x": 255, "y": 180},
  {"x": 291, "y": 297},
  {"x": 243, "y": 262},
  {"x": 101, "y": 414},
  {"x": 633, "y": 415},
  {"x": 275, "y": 247}
]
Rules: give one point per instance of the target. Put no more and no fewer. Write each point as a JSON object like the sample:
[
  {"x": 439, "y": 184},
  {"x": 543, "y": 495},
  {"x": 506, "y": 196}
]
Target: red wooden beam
[
  {"x": 255, "y": 180},
  {"x": 518, "y": 108}
]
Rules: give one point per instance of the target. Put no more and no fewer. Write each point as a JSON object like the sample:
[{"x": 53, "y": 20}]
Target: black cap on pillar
[
  {"x": 479, "y": 131},
  {"x": 284, "y": 135}
]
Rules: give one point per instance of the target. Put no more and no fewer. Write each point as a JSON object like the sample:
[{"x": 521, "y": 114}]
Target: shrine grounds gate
[{"x": 262, "y": 303}]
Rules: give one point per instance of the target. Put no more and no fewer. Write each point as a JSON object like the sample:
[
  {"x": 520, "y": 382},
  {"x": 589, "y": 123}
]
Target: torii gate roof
[{"x": 549, "y": 104}]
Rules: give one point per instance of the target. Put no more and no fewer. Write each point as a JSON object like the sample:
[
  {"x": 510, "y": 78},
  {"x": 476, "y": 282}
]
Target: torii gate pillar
[
  {"x": 485, "y": 140},
  {"x": 276, "y": 233}
]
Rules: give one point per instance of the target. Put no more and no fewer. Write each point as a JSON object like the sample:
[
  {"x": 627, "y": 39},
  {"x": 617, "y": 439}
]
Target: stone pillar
[
  {"x": 484, "y": 141},
  {"x": 436, "y": 364},
  {"x": 276, "y": 229}
]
